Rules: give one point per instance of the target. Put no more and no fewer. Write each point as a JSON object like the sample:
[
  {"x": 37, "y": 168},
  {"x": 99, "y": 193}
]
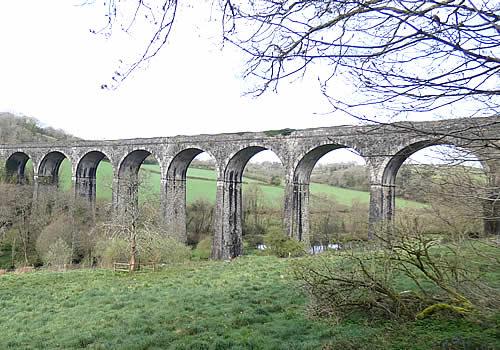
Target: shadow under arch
[
  {"x": 15, "y": 168},
  {"x": 86, "y": 174},
  {"x": 130, "y": 164},
  {"x": 179, "y": 165},
  {"x": 48, "y": 169},
  {"x": 228, "y": 241},
  {"x": 236, "y": 165}
]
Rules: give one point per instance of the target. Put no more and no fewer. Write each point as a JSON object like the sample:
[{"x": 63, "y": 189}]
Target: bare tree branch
[{"x": 399, "y": 55}]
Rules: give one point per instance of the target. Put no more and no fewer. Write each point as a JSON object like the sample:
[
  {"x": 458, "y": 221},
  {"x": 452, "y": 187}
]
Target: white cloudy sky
[{"x": 52, "y": 67}]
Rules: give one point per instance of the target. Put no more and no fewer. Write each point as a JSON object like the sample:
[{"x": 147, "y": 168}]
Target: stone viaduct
[{"x": 384, "y": 147}]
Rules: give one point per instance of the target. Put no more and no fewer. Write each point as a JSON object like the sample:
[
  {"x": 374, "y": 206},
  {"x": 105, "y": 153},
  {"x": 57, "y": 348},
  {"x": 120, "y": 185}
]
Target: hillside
[{"x": 20, "y": 129}]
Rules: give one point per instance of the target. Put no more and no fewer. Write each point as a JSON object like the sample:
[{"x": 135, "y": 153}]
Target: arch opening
[
  {"x": 191, "y": 191},
  {"x": 251, "y": 201},
  {"x": 430, "y": 152},
  {"x": 18, "y": 168},
  {"x": 302, "y": 173},
  {"x": 332, "y": 197},
  {"x": 297, "y": 216},
  {"x": 262, "y": 196},
  {"x": 237, "y": 163},
  {"x": 94, "y": 175},
  {"x": 131, "y": 164},
  {"x": 138, "y": 191},
  {"x": 53, "y": 181},
  {"x": 50, "y": 168},
  {"x": 450, "y": 186}
]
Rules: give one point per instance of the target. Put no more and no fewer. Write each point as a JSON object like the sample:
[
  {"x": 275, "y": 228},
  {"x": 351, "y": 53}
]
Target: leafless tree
[
  {"x": 402, "y": 56},
  {"x": 156, "y": 18},
  {"x": 133, "y": 216},
  {"x": 23, "y": 219}
]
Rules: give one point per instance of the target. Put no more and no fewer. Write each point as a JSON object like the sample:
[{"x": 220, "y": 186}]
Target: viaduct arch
[
  {"x": 15, "y": 166},
  {"x": 384, "y": 148},
  {"x": 85, "y": 174}
]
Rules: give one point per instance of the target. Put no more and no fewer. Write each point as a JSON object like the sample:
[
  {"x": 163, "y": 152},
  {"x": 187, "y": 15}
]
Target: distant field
[{"x": 201, "y": 184}]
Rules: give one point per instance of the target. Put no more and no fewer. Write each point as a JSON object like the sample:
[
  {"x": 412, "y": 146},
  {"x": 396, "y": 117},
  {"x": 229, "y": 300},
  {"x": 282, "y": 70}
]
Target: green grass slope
[
  {"x": 347, "y": 196},
  {"x": 250, "y": 303},
  {"x": 201, "y": 184}
]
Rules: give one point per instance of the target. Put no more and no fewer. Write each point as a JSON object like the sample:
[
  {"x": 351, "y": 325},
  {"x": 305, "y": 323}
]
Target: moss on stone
[{"x": 280, "y": 132}]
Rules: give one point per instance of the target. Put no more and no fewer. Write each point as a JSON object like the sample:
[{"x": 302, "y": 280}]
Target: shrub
[
  {"x": 52, "y": 233},
  {"x": 275, "y": 180},
  {"x": 406, "y": 274},
  {"x": 282, "y": 246},
  {"x": 112, "y": 250},
  {"x": 199, "y": 219},
  {"x": 58, "y": 254},
  {"x": 155, "y": 248},
  {"x": 151, "y": 247},
  {"x": 24, "y": 269},
  {"x": 251, "y": 243},
  {"x": 203, "y": 249}
]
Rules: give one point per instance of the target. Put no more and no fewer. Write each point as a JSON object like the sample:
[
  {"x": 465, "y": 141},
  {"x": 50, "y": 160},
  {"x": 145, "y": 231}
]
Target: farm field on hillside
[
  {"x": 201, "y": 184},
  {"x": 249, "y": 303}
]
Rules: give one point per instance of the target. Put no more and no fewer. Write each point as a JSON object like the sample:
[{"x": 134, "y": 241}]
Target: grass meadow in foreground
[{"x": 249, "y": 303}]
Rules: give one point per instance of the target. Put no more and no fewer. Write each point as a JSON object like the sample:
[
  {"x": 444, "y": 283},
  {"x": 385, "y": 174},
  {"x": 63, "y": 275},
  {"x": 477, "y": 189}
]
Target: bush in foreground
[
  {"x": 112, "y": 250},
  {"x": 151, "y": 248},
  {"x": 157, "y": 249},
  {"x": 407, "y": 275}
]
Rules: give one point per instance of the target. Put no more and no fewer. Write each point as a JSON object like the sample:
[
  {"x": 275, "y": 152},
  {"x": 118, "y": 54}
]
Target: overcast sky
[{"x": 52, "y": 67}]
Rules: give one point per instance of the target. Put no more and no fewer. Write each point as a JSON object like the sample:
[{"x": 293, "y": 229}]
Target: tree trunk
[
  {"x": 13, "y": 253},
  {"x": 133, "y": 253}
]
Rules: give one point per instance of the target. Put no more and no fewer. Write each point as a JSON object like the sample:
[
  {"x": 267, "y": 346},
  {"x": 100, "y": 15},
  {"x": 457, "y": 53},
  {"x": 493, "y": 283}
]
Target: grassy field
[
  {"x": 250, "y": 303},
  {"x": 201, "y": 184}
]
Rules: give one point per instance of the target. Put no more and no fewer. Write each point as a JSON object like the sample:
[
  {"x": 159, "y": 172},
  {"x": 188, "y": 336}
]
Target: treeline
[
  {"x": 419, "y": 182},
  {"x": 60, "y": 229},
  {"x": 345, "y": 175}
]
